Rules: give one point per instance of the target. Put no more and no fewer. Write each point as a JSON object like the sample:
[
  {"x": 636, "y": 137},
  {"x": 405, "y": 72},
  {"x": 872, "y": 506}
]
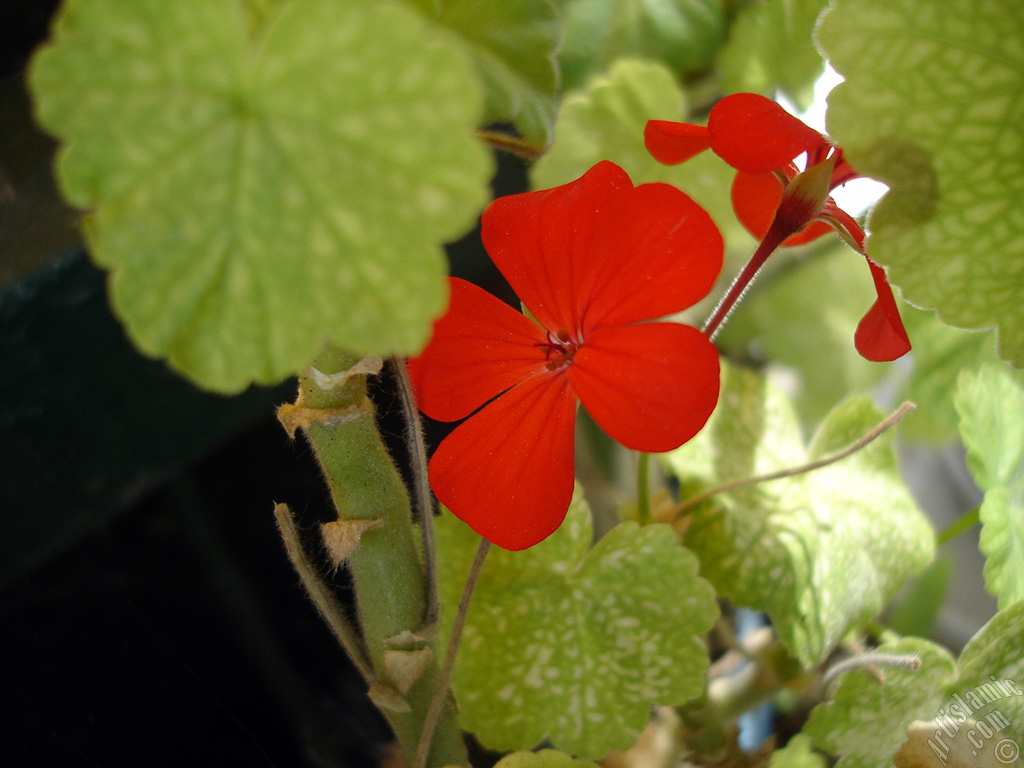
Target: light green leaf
[
  {"x": 798, "y": 753},
  {"x": 770, "y": 47},
  {"x": 683, "y": 34},
  {"x": 866, "y": 720},
  {"x": 932, "y": 106},
  {"x": 819, "y": 551},
  {"x": 606, "y": 122},
  {"x": 991, "y": 407},
  {"x": 940, "y": 353},
  {"x": 514, "y": 45},
  {"x": 575, "y": 645},
  {"x": 545, "y": 758},
  {"x": 254, "y": 197}
]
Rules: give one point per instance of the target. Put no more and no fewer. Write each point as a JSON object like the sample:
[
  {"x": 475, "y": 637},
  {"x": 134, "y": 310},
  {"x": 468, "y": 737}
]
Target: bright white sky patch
[{"x": 856, "y": 196}]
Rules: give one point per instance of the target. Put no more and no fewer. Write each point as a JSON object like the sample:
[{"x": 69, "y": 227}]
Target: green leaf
[
  {"x": 798, "y": 753},
  {"x": 514, "y": 45},
  {"x": 931, "y": 105},
  {"x": 940, "y": 353},
  {"x": 683, "y": 34},
  {"x": 606, "y": 122},
  {"x": 256, "y": 196},
  {"x": 991, "y": 407},
  {"x": 819, "y": 551},
  {"x": 545, "y": 758},
  {"x": 866, "y": 720},
  {"x": 575, "y": 644},
  {"x": 770, "y": 47}
]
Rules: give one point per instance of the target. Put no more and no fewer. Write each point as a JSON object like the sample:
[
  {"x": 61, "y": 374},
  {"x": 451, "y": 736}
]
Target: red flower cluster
[
  {"x": 776, "y": 201},
  {"x": 593, "y": 262}
]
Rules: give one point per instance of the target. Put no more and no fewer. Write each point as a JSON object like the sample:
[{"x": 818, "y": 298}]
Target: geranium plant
[{"x": 271, "y": 186}]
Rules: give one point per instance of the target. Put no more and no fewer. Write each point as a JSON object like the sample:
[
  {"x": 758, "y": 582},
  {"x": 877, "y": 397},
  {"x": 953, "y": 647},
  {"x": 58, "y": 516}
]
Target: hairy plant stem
[
  {"x": 772, "y": 240},
  {"x": 375, "y": 539},
  {"x": 424, "y": 506},
  {"x": 887, "y": 423},
  {"x": 454, "y": 639}
]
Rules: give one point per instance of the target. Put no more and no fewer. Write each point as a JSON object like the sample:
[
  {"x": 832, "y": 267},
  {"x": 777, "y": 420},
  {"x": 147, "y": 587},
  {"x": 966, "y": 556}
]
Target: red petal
[
  {"x": 540, "y": 241},
  {"x": 651, "y": 387},
  {"x": 508, "y": 471},
  {"x": 655, "y": 252},
  {"x": 880, "y": 336},
  {"x": 754, "y": 134},
  {"x": 480, "y": 348},
  {"x": 673, "y": 143},
  {"x": 756, "y": 197}
]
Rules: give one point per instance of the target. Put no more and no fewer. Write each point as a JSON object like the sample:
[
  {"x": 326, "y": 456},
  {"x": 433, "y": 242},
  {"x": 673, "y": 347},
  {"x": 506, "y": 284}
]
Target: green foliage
[
  {"x": 931, "y": 105},
  {"x": 573, "y": 643},
  {"x": 606, "y": 122},
  {"x": 940, "y": 353},
  {"x": 991, "y": 407},
  {"x": 513, "y": 44},
  {"x": 683, "y": 34},
  {"x": 770, "y": 48},
  {"x": 545, "y": 758},
  {"x": 789, "y": 546},
  {"x": 255, "y": 195},
  {"x": 798, "y": 753},
  {"x": 866, "y": 720}
]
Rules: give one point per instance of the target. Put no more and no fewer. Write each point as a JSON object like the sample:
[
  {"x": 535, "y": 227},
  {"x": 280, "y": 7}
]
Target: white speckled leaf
[
  {"x": 575, "y": 645},
  {"x": 820, "y": 551},
  {"x": 932, "y": 106},
  {"x": 991, "y": 407},
  {"x": 997, "y": 651},
  {"x": 865, "y": 721},
  {"x": 255, "y": 196},
  {"x": 606, "y": 122}
]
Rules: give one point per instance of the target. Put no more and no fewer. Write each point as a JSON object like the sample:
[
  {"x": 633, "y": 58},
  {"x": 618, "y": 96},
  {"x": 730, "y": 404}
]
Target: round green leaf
[
  {"x": 513, "y": 44},
  {"x": 683, "y": 34},
  {"x": 575, "y": 645},
  {"x": 606, "y": 122},
  {"x": 256, "y": 196},
  {"x": 931, "y": 105},
  {"x": 770, "y": 47}
]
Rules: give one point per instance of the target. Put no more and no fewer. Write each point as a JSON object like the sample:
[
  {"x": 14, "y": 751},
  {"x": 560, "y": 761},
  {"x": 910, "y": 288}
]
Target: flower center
[{"x": 559, "y": 349}]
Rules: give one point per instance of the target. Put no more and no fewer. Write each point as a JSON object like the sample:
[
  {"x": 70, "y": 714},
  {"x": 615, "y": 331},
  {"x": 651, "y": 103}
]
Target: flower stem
[
  {"x": 454, "y": 639},
  {"x": 772, "y": 240},
  {"x": 643, "y": 496},
  {"x": 423, "y": 506},
  {"x": 958, "y": 526}
]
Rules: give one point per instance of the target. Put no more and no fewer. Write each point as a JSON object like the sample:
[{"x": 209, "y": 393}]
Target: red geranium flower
[
  {"x": 593, "y": 261},
  {"x": 776, "y": 201}
]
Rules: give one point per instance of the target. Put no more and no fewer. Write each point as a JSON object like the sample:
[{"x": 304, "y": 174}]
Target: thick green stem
[{"x": 376, "y": 539}]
